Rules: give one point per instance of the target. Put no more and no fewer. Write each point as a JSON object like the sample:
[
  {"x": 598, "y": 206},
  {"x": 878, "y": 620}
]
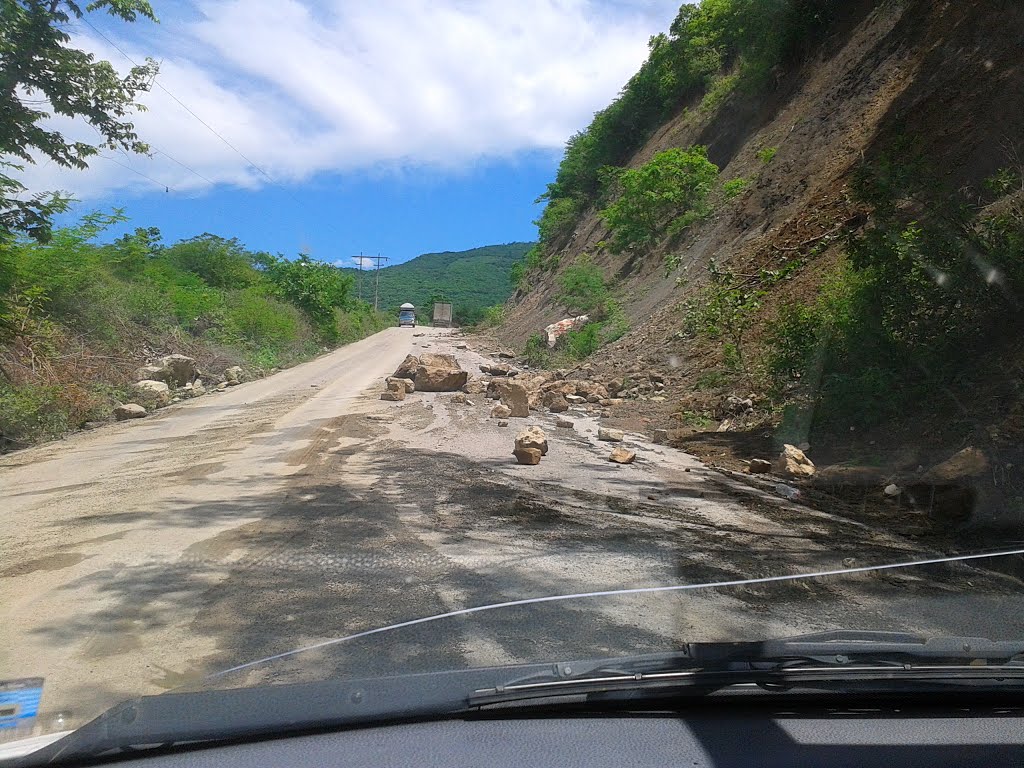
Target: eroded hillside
[{"x": 856, "y": 267}]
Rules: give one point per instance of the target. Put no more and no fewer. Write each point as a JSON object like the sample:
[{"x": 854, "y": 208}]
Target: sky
[{"x": 336, "y": 127}]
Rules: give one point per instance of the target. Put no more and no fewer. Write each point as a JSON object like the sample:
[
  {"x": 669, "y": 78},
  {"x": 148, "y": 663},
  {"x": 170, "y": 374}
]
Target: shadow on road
[{"x": 326, "y": 559}]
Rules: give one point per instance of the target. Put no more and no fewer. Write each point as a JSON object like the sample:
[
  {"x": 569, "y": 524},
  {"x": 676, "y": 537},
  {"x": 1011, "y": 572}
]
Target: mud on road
[{"x": 300, "y": 514}]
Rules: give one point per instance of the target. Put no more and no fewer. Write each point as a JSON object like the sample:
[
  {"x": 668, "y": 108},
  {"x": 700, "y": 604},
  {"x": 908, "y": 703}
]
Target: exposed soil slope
[{"x": 946, "y": 76}]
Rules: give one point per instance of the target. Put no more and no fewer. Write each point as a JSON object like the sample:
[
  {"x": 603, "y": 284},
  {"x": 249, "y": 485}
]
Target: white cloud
[
  {"x": 301, "y": 88},
  {"x": 353, "y": 262}
]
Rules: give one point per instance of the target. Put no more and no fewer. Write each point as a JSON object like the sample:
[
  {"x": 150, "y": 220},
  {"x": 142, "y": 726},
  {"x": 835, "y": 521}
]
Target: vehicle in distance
[{"x": 407, "y": 315}]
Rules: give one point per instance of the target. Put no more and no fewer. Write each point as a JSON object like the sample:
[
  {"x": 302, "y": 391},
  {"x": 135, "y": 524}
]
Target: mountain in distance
[{"x": 472, "y": 280}]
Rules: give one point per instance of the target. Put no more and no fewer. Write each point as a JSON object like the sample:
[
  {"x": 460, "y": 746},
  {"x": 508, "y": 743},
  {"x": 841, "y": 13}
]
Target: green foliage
[
  {"x": 583, "y": 342},
  {"x": 734, "y": 187},
  {"x": 518, "y": 276},
  {"x": 584, "y": 290},
  {"x": 557, "y": 219},
  {"x": 1004, "y": 181},
  {"x": 38, "y": 67},
  {"x": 923, "y": 290},
  {"x": 727, "y": 308},
  {"x": 257, "y": 321},
  {"x": 314, "y": 287},
  {"x": 360, "y": 321},
  {"x": 719, "y": 90},
  {"x": 767, "y": 154},
  {"x": 217, "y": 262},
  {"x": 29, "y": 414},
  {"x": 492, "y": 316},
  {"x": 70, "y": 305},
  {"x": 668, "y": 192},
  {"x": 536, "y": 352},
  {"x": 711, "y": 48}
]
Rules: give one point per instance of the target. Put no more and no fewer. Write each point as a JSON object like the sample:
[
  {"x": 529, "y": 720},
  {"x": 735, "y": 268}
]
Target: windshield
[{"x": 715, "y": 318}]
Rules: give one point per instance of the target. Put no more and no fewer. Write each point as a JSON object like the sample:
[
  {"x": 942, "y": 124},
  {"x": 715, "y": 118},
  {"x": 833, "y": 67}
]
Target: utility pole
[
  {"x": 376, "y": 282},
  {"x": 360, "y": 262}
]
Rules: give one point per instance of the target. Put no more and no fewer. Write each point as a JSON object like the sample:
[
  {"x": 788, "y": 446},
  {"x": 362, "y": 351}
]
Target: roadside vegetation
[
  {"x": 77, "y": 317},
  {"x": 917, "y": 300}
]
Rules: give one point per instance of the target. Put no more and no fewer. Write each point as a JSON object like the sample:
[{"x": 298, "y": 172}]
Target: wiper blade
[
  {"x": 857, "y": 677},
  {"x": 823, "y": 658},
  {"x": 854, "y": 644}
]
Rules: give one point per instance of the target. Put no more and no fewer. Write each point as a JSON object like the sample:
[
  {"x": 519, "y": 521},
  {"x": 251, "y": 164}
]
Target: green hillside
[{"x": 472, "y": 280}]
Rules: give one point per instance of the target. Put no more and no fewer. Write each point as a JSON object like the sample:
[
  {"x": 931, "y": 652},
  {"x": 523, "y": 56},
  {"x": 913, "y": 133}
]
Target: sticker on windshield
[{"x": 19, "y": 701}]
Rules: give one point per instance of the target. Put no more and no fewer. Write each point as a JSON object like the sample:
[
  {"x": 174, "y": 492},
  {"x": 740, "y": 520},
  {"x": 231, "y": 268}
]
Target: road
[{"x": 144, "y": 556}]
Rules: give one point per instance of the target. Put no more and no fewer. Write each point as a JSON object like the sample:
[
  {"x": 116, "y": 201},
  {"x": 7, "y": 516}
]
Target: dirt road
[{"x": 284, "y": 512}]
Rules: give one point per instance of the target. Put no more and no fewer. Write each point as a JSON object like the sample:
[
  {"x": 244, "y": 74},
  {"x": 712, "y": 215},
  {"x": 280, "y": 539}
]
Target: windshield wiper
[
  {"x": 841, "y": 658},
  {"x": 273, "y": 710}
]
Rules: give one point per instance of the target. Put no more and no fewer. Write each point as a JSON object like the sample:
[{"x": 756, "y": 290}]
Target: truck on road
[{"x": 407, "y": 315}]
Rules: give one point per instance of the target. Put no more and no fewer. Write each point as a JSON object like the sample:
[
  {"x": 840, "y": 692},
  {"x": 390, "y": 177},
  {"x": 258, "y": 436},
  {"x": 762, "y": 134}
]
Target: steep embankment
[{"x": 861, "y": 276}]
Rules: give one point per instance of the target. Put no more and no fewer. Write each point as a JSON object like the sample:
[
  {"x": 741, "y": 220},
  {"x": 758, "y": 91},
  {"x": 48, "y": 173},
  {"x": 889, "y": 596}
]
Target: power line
[
  {"x": 140, "y": 173},
  {"x": 197, "y": 173},
  {"x": 183, "y": 106}
]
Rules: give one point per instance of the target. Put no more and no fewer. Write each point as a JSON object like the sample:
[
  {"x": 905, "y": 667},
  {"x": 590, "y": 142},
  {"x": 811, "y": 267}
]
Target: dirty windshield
[{"x": 322, "y": 318}]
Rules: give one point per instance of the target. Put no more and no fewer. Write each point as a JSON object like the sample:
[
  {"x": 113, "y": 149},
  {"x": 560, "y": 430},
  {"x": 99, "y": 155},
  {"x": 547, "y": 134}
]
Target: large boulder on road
[
  {"x": 407, "y": 370},
  {"x": 439, "y": 373},
  {"x": 961, "y": 466},
  {"x": 591, "y": 391},
  {"x": 532, "y": 438},
  {"x": 438, "y": 360},
  {"x": 555, "y": 402},
  {"x": 149, "y": 373},
  {"x": 528, "y": 456},
  {"x": 515, "y": 397},
  {"x": 174, "y": 370},
  {"x": 153, "y": 393}
]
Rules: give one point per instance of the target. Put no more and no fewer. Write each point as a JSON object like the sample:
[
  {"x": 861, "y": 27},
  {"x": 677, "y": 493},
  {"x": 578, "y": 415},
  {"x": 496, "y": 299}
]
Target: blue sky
[{"x": 399, "y": 126}]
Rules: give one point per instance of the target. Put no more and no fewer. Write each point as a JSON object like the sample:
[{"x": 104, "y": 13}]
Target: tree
[
  {"x": 668, "y": 192},
  {"x": 40, "y": 75},
  {"x": 316, "y": 288},
  {"x": 220, "y": 262}
]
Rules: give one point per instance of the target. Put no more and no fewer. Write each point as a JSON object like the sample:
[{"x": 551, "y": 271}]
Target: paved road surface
[{"x": 142, "y": 556}]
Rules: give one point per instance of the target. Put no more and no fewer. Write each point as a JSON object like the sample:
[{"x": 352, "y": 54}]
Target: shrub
[
  {"x": 359, "y": 322},
  {"x": 258, "y": 322},
  {"x": 673, "y": 184},
  {"x": 734, "y": 187},
  {"x": 720, "y": 89},
  {"x": 583, "y": 289},
  {"x": 583, "y": 342},
  {"x": 557, "y": 219},
  {"x": 767, "y": 154},
  {"x": 493, "y": 316},
  {"x": 536, "y": 351},
  {"x": 29, "y": 414}
]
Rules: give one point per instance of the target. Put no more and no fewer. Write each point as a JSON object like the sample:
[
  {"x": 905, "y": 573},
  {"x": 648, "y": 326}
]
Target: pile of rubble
[{"x": 170, "y": 379}]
